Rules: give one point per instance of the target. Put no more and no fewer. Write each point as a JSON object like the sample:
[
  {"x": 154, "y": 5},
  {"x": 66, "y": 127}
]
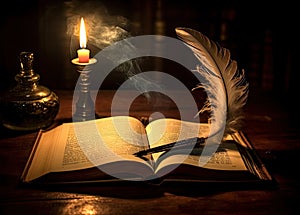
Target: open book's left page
[{"x": 82, "y": 145}]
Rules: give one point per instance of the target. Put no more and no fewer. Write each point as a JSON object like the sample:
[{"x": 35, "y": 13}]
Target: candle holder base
[{"x": 85, "y": 106}]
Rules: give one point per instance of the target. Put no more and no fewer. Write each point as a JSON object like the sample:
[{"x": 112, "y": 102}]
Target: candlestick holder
[{"x": 85, "y": 106}]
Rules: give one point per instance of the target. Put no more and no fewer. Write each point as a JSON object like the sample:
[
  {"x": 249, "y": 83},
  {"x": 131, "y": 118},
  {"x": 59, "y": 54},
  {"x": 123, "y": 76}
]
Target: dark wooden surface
[{"x": 268, "y": 126}]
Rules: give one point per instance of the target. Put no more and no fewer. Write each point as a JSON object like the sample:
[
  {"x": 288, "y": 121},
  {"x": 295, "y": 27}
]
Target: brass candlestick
[{"x": 85, "y": 106}]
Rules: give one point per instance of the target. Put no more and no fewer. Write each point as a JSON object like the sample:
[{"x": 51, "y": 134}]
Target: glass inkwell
[{"x": 28, "y": 105}]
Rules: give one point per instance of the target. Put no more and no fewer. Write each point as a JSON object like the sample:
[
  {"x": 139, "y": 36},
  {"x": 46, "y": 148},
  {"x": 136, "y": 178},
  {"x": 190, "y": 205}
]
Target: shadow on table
[{"x": 142, "y": 190}]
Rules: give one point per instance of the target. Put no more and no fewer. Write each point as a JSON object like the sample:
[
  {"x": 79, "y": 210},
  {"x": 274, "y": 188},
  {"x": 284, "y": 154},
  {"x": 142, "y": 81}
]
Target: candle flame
[{"x": 82, "y": 34}]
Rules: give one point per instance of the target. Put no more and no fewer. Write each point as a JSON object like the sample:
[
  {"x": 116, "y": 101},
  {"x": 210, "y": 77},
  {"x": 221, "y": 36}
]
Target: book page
[
  {"x": 80, "y": 145},
  {"x": 121, "y": 136},
  {"x": 164, "y": 131},
  {"x": 227, "y": 157},
  {"x": 49, "y": 151}
]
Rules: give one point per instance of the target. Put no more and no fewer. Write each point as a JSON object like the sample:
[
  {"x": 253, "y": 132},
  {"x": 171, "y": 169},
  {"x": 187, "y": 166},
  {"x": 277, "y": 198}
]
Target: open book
[{"x": 104, "y": 149}]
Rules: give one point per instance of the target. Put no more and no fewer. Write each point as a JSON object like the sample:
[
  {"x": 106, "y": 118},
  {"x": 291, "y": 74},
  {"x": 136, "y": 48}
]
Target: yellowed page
[
  {"x": 164, "y": 131},
  {"x": 74, "y": 146},
  {"x": 50, "y": 149},
  {"x": 227, "y": 157}
]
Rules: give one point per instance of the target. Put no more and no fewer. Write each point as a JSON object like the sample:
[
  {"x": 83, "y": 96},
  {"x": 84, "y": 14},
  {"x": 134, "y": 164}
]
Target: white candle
[{"x": 83, "y": 53}]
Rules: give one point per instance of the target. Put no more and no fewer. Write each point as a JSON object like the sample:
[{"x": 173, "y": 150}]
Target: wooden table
[{"x": 267, "y": 125}]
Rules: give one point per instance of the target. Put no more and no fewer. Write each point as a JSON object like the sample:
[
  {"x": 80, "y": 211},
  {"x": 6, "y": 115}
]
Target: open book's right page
[{"x": 226, "y": 158}]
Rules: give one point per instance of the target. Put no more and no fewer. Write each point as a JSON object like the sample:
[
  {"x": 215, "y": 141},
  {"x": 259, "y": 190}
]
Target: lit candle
[{"x": 83, "y": 53}]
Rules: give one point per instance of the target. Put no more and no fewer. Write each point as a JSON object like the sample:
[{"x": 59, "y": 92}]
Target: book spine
[
  {"x": 252, "y": 157},
  {"x": 37, "y": 140}
]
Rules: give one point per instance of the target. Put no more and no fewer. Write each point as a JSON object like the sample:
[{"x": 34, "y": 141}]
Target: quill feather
[{"x": 226, "y": 85}]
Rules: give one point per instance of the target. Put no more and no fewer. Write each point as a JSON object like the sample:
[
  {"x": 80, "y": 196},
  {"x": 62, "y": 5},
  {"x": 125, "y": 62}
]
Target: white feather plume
[{"x": 225, "y": 85}]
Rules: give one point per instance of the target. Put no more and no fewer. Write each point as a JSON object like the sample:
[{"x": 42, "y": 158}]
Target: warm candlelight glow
[
  {"x": 83, "y": 53},
  {"x": 82, "y": 38}
]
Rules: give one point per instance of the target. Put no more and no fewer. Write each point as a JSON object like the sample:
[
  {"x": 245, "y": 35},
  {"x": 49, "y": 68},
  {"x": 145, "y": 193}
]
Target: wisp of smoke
[{"x": 103, "y": 30}]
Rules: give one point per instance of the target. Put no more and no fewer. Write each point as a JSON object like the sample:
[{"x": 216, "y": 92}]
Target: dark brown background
[
  {"x": 262, "y": 38},
  {"x": 252, "y": 31},
  {"x": 260, "y": 35}
]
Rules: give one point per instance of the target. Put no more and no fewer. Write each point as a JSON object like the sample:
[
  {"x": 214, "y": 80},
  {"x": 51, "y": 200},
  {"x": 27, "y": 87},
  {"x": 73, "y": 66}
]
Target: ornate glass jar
[{"x": 28, "y": 105}]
